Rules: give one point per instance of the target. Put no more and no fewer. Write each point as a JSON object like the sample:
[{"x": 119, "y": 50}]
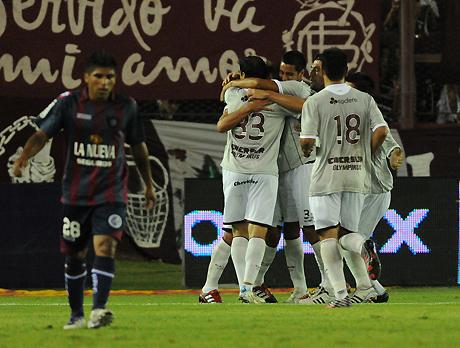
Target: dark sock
[
  {"x": 75, "y": 279},
  {"x": 102, "y": 274}
]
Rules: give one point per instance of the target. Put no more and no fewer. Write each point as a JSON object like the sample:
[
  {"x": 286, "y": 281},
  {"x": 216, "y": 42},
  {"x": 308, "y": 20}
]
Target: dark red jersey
[{"x": 95, "y": 171}]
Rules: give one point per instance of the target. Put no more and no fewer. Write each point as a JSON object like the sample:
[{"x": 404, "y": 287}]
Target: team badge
[{"x": 115, "y": 221}]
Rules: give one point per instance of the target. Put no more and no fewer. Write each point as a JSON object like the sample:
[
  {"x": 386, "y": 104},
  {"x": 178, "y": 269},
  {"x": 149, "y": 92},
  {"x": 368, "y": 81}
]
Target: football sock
[
  {"x": 75, "y": 279},
  {"x": 353, "y": 242},
  {"x": 378, "y": 287},
  {"x": 102, "y": 274},
  {"x": 334, "y": 267},
  {"x": 319, "y": 260},
  {"x": 238, "y": 252},
  {"x": 269, "y": 256},
  {"x": 294, "y": 261},
  {"x": 358, "y": 269},
  {"x": 254, "y": 257},
  {"x": 219, "y": 260}
]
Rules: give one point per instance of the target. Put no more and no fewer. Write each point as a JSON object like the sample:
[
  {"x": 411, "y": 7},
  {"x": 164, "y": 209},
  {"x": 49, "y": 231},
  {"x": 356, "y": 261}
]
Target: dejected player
[{"x": 96, "y": 123}]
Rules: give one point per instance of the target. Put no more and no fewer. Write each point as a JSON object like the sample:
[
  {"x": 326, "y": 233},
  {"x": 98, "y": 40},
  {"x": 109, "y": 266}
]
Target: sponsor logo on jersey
[
  {"x": 343, "y": 101},
  {"x": 250, "y": 181},
  {"x": 115, "y": 221},
  {"x": 246, "y": 152},
  {"x": 345, "y": 159}
]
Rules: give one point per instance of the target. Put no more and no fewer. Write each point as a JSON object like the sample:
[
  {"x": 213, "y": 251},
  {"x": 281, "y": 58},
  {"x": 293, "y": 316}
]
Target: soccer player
[
  {"x": 341, "y": 118},
  {"x": 378, "y": 201},
  {"x": 96, "y": 123},
  {"x": 250, "y": 173}
]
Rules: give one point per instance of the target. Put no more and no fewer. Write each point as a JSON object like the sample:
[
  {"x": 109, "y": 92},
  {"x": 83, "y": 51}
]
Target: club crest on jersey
[
  {"x": 115, "y": 221},
  {"x": 95, "y": 138}
]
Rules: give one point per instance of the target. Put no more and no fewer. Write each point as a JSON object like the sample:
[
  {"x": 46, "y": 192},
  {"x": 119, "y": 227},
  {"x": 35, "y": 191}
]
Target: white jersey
[
  {"x": 253, "y": 145},
  {"x": 291, "y": 155},
  {"x": 382, "y": 179},
  {"x": 342, "y": 118}
]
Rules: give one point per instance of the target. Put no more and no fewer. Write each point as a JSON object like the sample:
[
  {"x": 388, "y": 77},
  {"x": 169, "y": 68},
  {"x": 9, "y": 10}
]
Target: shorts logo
[{"x": 115, "y": 221}]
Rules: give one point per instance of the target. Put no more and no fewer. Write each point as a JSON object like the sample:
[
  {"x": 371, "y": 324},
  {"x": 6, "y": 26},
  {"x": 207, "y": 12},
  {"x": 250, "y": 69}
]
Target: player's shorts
[
  {"x": 374, "y": 208},
  {"x": 293, "y": 192},
  {"x": 227, "y": 228},
  {"x": 80, "y": 223},
  {"x": 250, "y": 197},
  {"x": 342, "y": 208}
]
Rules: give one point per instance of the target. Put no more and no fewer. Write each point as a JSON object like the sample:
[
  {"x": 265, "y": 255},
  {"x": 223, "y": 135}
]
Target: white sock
[
  {"x": 352, "y": 242},
  {"x": 334, "y": 266},
  {"x": 378, "y": 287},
  {"x": 358, "y": 268},
  {"x": 219, "y": 260},
  {"x": 254, "y": 257},
  {"x": 294, "y": 261},
  {"x": 239, "y": 247},
  {"x": 267, "y": 261},
  {"x": 319, "y": 260}
]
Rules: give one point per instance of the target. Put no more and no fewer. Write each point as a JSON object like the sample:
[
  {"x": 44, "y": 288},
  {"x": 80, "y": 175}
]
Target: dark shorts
[{"x": 80, "y": 223}]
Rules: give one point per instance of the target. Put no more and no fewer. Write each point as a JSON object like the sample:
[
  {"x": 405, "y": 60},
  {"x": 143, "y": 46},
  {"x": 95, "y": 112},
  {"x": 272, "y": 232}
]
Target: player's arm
[
  {"x": 33, "y": 146},
  {"x": 141, "y": 158},
  {"x": 251, "y": 82},
  {"x": 292, "y": 103},
  {"x": 230, "y": 120},
  {"x": 309, "y": 128},
  {"x": 378, "y": 137},
  {"x": 393, "y": 151}
]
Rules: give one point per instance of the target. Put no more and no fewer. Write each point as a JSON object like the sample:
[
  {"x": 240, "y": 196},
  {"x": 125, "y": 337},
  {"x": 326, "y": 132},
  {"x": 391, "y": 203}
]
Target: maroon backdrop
[{"x": 172, "y": 49}]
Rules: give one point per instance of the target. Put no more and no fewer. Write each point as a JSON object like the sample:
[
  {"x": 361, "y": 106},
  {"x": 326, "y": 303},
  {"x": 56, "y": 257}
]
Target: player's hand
[
  {"x": 396, "y": 158},
  {"x": 254, "y": 94},
  {"x": 230, "y": 77},
  {"x": 18, "y": 166},
  {"x": 149, "y": 197},
  {"x": 259, "y": 105},
  {"x": 224, "y": 88}
]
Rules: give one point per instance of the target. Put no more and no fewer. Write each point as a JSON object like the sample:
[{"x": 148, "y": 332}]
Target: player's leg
[
  {"x": 375, "y": 207},
  {"x": 107, "y": 221},
  {"x": 219, "y": 259},
  {"x": 235, "y": 201},
  {"x": 74, "y": 241},
  {"x": 326, "y": 210},
  {"x": 271, "y": 242},
  {"x": 262, "y": 199}
]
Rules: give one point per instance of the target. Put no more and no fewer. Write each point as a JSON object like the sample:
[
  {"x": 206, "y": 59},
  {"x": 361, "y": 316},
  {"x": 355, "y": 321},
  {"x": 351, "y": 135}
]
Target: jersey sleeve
[
  {"x": 135, "y": 128},
  {"x": 376, "y": 116},
  {"x": 310, "y": 120},
  {"x": 295, "y": 88},
  {"x": 389, "y": 144},
  {"x": 234, "y": 98},
  {"x": 53, "y": 120}
]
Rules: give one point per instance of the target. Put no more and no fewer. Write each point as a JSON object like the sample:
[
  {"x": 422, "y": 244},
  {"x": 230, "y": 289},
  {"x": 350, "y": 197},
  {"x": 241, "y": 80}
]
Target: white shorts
[
  {"x": 374, "y": 208},
  {"x": 342, "y": 208},
  {"x": 293, "y": 191},
  {"x": 250, "y": 197}
]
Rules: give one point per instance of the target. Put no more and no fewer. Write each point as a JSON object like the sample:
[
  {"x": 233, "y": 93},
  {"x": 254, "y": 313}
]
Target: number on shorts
[
  {"x": 352, "y": 123},
  {"x": 256, "y": 125},
  {"x": 70, "y": 229}
]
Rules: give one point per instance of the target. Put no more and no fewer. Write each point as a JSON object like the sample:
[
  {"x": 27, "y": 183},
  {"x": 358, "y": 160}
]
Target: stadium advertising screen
[{"x": 418, "y": 238}]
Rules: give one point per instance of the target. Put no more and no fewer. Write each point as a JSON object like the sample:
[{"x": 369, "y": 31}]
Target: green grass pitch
[{"x": 414, "y": 317}]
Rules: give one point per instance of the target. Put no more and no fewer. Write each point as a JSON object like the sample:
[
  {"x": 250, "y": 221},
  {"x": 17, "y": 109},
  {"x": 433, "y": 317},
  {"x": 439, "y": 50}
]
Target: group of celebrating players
[{"x": 311, "y": 156}]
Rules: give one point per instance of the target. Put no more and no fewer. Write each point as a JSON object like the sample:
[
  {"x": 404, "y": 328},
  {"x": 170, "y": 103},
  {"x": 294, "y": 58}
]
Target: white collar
[{"x": 338, "y": 88}]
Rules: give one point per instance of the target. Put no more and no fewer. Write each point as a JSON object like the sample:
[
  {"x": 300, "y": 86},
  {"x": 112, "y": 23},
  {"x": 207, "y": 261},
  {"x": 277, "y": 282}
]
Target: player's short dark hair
[
  {"x": 253, "y": 66},
  {"x": 334, "y": 63},
  {"x": 100, "y": 59},
  {"x": 295, "y": 58},
  {"x": 362, "y": 81}
]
